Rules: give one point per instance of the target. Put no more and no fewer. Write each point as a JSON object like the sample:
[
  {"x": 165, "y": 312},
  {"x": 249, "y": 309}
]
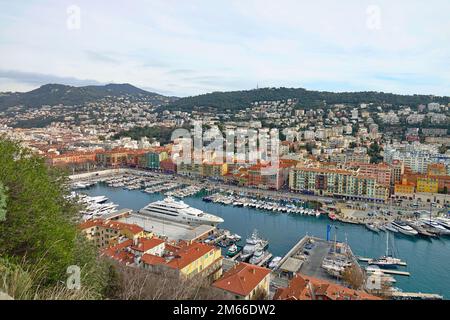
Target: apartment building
[{"x": 340, "y": 183}]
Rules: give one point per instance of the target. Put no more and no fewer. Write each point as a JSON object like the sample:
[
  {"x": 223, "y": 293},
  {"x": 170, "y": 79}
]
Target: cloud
[
  {"x": 37, "y": 79},
  {"x": 198, "y": 46}
]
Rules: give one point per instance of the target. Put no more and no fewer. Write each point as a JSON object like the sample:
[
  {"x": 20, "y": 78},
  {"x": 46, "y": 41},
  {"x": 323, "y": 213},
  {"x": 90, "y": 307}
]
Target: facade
[
  {"x": 186, "y": 261},
  {"x": 113, "y": 158},
  {"x": 427, "y": 184},
  {"x": 153, "y": 159},
  {"x": 406, "y": 188},
  {"x": 266, "y": 177},
  {"x": 338, "y": 183},
  {"x": 106, "y": 233},
  {"x": 244, "y": 282},
  {"x": 214, "y": 170}
]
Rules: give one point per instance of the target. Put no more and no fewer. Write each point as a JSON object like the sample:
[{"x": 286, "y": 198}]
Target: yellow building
[
  {"x": 428, "y": 185},
  {"x": 214, "y": 169},
  {"x": 105, "y": 233},
  {"x": 190, "y": 260}
]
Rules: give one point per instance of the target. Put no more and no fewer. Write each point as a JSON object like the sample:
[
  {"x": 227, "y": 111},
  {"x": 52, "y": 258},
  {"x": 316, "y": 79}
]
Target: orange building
[
  {"x": 405, "y": 187},
  {"x": 71, "y": 158}
]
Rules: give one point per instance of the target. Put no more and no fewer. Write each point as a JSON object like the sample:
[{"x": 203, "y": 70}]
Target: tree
[
  {"x": 2, "y": 202},
  {"x": 374, "y": 152},
  {"x": 353, "y": 276},
  {"x": 40, "y": 231}
]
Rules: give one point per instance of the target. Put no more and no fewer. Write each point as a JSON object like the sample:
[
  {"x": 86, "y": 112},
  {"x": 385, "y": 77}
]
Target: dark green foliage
[
  {"x": 2, "y": 202},
  {"x": 55, "y": 94},
  {"x": 374, "y": 152},
  {"x": 40, "y": 227},
  {"x": 237, "y": 100},
  {"x": 161, "y": 134}
]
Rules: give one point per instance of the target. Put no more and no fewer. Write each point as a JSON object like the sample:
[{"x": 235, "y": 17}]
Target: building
[
  {"x": 244, "y": 282},
  {"x": 427, "y": 184},
  {"x": 334, "y": 182},
  {"x": 185, "y": 261},
  {"x": 71, "y": 158},
  {"x": 113, "y": 158},
  {"x": 214, "y": 169},
  {"x": 302, "y": 287},
  {"x": 153, "y": 159},
  {"x": 106, "y": 233},
  {"x": 168, "y": 166},
  {"x": 382, "y": 171},
  {"x": 265, "y": 176},
  {"x": 405, "y": 188}
]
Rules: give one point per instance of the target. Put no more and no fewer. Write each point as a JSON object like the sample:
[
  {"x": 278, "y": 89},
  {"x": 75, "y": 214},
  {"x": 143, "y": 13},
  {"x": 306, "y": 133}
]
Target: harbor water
[{"x": 428, "y": 259}]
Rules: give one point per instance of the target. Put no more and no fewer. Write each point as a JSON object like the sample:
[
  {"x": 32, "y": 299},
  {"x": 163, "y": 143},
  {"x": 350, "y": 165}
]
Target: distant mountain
[
  {"x": 236, "y": 100},
  {"x": 54, "y": 94}
]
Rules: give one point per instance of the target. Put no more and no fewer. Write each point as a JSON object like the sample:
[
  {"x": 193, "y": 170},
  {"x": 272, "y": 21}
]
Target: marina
[{"x": 282, "y": 230}]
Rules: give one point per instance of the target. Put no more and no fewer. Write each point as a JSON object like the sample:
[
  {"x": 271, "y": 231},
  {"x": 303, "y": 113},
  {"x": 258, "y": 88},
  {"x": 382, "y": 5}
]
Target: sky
[{"x": 182, "y": 48}]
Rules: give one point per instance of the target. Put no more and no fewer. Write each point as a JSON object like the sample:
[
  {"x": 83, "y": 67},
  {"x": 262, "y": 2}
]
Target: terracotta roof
[
  {"x": 147, "y": 244},
  {"x": 118, "y": 252},
  {"x": 308, "y": 288},
  {"x": 188, "y": 254},
  {"x": 133, "y": 228},
  {"x": 153, "y": 260},
  {"x": 242, "y": 279}
]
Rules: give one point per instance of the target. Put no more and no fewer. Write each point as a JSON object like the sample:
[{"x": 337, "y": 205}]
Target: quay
[
  {"x": 363, "y": 259},
  {"x": 396, "y": 295},
  {"x": 395, "y": 272},
  {"x": 318, "y": 258}
]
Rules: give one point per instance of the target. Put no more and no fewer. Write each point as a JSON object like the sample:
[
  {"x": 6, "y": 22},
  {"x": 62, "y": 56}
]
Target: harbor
[{"x": 426, "y": 257}]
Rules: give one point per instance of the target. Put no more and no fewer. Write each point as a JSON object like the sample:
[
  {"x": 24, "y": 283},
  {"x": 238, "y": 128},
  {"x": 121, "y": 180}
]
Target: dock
[
  {"x": 265, "y": 260},
  {"x": 395, "y": 272},
  {"x": 363, "y": 259},
  {"x": 415, "y": 296}
]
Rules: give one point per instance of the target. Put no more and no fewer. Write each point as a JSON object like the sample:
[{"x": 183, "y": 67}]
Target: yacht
[
  {"x": 372, "y": 227},
  {"x": 258, "y": 256},
  {"x": 386, "y": 261},
  {"x": 253, "y": 244},
  {"x": 445, "y": 222},
  {"x": 274, "y": 263},
  {"x": 404, "y": 228},
  {"x": 391, "y": 228},
  {"x": 233, "y": 250},
  {"x": 178, "y": 211},
  {"x": 436, "y": 227}
]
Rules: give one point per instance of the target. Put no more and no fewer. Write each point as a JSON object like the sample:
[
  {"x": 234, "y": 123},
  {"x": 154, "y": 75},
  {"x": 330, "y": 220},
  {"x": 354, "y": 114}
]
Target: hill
[
  {"x": 54, "y": 94},
  {"x": 236, "y": 100}
]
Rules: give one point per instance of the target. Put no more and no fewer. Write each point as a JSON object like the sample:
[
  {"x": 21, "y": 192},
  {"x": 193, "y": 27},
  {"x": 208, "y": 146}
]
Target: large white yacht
[{"x": 178, "y": 211}]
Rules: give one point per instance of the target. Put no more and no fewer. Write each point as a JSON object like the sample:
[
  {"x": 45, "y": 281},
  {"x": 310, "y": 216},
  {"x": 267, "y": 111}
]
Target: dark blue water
[{"x": 428, "y": 260}]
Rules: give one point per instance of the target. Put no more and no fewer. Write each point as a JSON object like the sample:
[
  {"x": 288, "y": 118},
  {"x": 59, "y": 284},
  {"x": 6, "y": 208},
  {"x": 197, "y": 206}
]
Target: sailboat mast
[{"x": 387, "y": 244}]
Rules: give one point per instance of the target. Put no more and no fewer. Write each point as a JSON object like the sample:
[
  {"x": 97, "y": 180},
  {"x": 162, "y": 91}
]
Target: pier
[
  {"x": 363, "y": 259},
  {"x": 394, "y": 272},
  {"x": 415, "y": 296}
]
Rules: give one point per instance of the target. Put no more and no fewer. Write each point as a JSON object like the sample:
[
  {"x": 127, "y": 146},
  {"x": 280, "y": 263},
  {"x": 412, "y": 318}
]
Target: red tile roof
[
  {"x": 147, "y": 244},
  {"x": 308, "y": 288},
  {"x": 133, "y": 228},
  {"x": 152, "y": 260},
  {"x": 188, "y": 254},
  {"x": 242, "y": 279}
]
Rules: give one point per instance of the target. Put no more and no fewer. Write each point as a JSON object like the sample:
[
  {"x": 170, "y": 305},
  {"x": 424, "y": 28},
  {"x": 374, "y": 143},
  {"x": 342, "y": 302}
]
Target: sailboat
[{"x": 386, "y": 261}]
